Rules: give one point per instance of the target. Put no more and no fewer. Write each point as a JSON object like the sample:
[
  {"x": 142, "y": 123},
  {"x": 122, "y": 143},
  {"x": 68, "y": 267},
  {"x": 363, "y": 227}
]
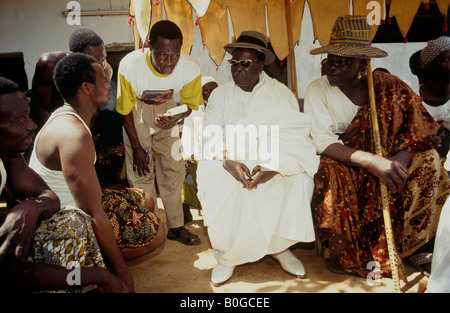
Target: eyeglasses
[{"x": 244, "y": 63}]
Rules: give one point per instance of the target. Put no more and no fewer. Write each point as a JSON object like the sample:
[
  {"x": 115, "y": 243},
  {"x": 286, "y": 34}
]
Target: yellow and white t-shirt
[{"x": 138, "y": 79}]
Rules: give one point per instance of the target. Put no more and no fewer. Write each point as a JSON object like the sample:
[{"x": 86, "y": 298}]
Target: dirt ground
[{"x": 178, "y": 268}]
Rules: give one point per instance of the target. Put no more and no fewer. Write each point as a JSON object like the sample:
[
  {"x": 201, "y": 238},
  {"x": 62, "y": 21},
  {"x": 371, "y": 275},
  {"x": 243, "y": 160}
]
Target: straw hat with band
[
  {"x": 350, "y": 37},
  {"x": 252, "y": 40}
]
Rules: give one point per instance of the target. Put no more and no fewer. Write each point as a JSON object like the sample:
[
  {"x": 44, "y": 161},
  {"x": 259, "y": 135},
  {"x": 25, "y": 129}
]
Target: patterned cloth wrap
[
  {"x": 64, "y": 238},
  {"x": 133, "y": 225},
  {"x": 347, "y": 201},
  {"x": 68, "y": 235}
]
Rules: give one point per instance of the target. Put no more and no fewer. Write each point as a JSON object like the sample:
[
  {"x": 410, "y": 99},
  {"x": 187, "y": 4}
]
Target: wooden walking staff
[{"x": 397, "y": 268}]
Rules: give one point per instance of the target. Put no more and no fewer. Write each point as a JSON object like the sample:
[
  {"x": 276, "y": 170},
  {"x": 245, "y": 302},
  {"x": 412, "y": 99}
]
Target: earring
[{"x": 362, "y": 74}]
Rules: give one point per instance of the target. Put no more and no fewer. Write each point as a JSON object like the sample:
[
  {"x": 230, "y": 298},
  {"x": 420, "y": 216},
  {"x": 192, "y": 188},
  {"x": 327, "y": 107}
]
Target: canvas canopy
[{"x": 278, "y": 19}]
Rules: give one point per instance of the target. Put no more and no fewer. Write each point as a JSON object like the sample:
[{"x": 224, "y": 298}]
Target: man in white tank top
[
  {"x": 64, "y": 152},
  {"x": 34, "y": 221}
]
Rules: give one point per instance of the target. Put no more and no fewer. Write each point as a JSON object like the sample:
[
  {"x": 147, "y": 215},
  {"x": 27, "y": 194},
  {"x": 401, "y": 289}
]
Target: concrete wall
[{"x": 35, "y": 27}]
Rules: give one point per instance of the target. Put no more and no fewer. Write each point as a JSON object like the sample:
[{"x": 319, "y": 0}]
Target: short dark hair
[
  {"x": 7, "y": 86},
  {"x": 82, "y": 38},
  {"x": 414, "y": 60},
  {"x": 73, "y": 70},
  {"x": 165, "y": 29}
]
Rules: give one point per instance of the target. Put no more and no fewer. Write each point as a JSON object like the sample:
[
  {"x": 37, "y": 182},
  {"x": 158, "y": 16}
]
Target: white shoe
[
  {"x": 290, "y": 263},
  {"x": 221, "y": 274}
]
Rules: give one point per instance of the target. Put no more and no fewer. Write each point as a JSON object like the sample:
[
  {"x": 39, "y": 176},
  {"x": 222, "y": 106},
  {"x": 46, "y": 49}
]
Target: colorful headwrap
[{"x": 434, "y": 48}]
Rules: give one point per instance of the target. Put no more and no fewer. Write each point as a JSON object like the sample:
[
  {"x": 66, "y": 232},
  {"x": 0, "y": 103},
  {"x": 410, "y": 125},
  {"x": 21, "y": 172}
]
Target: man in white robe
[
  {"x": 255, "y": 177},
  {"x": 440, "y": 267}
]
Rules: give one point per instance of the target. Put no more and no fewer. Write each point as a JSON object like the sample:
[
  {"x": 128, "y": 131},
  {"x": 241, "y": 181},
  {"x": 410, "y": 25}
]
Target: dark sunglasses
[{"x": 244, "y": 63}]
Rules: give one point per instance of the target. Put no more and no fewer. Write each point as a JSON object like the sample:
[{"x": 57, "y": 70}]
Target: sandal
[
  {"x": 421, "y": 262},
  {"x": 183, "y": 235}
]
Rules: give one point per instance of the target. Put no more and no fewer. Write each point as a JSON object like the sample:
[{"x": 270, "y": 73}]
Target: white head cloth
[{"x": 207, "y": 79}]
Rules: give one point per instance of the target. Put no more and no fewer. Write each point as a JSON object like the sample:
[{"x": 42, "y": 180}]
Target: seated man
[
  {"x": 37, "y": 239},
  {"x": 64, "y": 156},
  {"x": 347, "y": 198},
  {"x": 44, "y": 95},
  {"x": 255, "y": 196},
  {"x": 435, "y": 92}
]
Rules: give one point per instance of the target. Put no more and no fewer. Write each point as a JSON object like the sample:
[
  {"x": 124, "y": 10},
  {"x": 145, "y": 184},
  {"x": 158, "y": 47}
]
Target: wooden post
[
  {"x": 137, "y": 38},
  {"x": 292, "y": 74}
]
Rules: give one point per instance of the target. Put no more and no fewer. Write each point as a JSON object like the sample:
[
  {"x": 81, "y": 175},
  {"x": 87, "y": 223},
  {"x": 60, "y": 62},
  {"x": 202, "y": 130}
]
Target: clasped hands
[{"x": 249, "y": 180}]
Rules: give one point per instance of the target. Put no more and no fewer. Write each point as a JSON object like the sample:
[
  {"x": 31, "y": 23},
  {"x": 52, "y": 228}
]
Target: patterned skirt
[
  {"x": 348, "y": 209},
  {"x": 133, "y": 225},
  {"x": 66, "y": 239}
]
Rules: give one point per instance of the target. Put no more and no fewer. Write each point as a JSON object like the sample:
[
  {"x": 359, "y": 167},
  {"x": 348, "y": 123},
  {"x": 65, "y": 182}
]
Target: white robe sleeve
[
  {"x": 212, "y": 127},
  {"x": 321, "y": 120}
]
